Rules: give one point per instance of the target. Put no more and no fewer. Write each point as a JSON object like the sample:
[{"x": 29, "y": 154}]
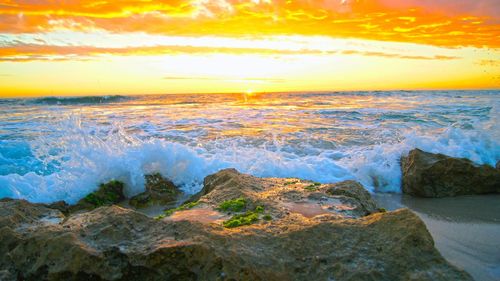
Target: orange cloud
[
  {"x": 252, "y": 79},
  {"x": 441, "y": 22},
  {"x": 22, "y": 52}
]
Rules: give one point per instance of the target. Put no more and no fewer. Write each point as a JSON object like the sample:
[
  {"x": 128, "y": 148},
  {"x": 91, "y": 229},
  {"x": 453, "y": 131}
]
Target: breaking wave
[
  {"x": 67, "y": 156},
  {"x": 79, "y": 100}
]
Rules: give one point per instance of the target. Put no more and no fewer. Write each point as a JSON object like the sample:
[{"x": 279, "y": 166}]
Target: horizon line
[{"x": 244, "y": 92}]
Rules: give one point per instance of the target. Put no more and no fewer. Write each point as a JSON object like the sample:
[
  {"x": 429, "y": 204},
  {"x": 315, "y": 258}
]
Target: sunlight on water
[{"x": 61, "y": 148}]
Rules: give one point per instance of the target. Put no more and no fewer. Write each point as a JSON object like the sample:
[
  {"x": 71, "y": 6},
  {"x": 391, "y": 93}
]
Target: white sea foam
[
  {"x": 70, "y": 157},
  {"x": 88, "y": 160}
]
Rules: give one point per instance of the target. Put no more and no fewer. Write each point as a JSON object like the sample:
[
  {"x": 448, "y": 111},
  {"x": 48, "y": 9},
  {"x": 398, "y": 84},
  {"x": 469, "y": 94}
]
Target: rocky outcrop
[
  {"x": 437, "y": 175},
  {"x": 354, "y": 190},
  {"x": 107, "y": 194},
  {"x": 159, "y": 190},
  {"x": 297, "y": 230}
]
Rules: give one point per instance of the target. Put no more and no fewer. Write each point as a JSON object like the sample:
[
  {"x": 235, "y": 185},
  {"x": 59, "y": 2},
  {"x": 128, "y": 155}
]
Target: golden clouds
[
  {"x": 138, "y": 46},
  {"x": 427, "y": 23},
  {"x": 27, "y": 52}
]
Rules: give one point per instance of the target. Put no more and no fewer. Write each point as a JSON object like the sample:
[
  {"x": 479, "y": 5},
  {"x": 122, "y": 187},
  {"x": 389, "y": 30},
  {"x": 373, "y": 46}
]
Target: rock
[
  {"x": 61, "y": 206},
  {"x": 355, "y": 190},
  {"x": 158, "y": 191},
  {"x": 115, "y": 243},
  {"x": 21, "y": 213},
  {"x": 107, "y": 194},
  {"x": 498, "y": 165},
  {"x": 227, "y": 177},
  {"x": 437, "y": 175}
]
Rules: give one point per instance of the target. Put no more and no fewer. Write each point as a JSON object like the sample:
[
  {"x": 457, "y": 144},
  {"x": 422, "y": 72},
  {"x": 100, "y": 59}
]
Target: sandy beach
[{"x": 466, "y": 229}]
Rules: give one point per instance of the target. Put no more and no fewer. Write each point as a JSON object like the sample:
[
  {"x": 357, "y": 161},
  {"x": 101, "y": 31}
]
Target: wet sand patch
[{"x": 466, "y": 229}]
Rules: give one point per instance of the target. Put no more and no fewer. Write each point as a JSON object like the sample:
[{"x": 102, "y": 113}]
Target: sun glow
[{"x": 112, "y": 47}]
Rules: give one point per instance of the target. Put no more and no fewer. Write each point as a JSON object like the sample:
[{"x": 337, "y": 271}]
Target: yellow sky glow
[{"x": 212, "y": 46}]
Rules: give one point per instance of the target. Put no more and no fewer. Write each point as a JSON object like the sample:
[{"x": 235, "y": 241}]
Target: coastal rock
[
  {"x": 283, "y": 240},
  {"x": 107, "y": 194},
  {"x": 437, "y": 175},
  {"x": 62, "y": 206},
  {"x": 355, "y": 190},
  {"x": 21, "y": 213},
  {"x": 159, "y": 190}
]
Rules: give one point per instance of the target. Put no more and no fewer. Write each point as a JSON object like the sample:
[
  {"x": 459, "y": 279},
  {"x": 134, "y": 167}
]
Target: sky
[{"x": 69, "y": 47}]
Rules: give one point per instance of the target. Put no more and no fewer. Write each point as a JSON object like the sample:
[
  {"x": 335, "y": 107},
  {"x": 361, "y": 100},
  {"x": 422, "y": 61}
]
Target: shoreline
[
  {"x": 238, "y": 227},
  {"x": 465, "y": 229},
  {"x": 424, "y": 234}
]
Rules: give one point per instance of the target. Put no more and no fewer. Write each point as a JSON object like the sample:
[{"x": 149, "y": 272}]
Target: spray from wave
[{"x": 79, "y": 155}]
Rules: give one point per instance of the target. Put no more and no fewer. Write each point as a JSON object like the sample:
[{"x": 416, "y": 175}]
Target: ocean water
[{"x": 61, "y": 148}]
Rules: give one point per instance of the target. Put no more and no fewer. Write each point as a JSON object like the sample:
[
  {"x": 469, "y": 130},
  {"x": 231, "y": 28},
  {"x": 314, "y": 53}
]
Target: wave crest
[
  {"x": 80, "y": 100},
  {"x": 84, "y": 155}
]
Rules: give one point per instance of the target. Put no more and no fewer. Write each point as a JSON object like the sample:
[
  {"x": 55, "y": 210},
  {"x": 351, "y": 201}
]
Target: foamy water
[{"x": 62, "y": 148}]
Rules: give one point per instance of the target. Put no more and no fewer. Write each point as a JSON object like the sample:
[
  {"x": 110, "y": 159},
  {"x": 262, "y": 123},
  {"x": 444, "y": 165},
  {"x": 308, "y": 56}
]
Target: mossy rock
[
  {"x": 235, "y": 205},
  {"x": 247, "y": 218},
  {"x": 107, "y": 194},
  {"x": 185, "y": 206},
  {"x": 157, "y": 183},
  {"x": 313, "y": 187}
]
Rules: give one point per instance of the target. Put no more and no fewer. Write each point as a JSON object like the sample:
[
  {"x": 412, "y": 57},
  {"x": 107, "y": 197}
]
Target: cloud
[
  {"x": 399, "y": 56},
  {"x": 447, "y": 23},
  {"x": 488, "y": 8},
  {"x": 246, "y": 79},
  {"x": 18, "y": 51}
]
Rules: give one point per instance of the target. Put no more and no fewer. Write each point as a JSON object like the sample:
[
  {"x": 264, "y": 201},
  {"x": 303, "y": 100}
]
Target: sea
[{"x": 62, "y": 148}]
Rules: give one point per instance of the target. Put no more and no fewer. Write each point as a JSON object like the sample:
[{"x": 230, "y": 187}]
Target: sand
[{"x": 466, "y": 229}]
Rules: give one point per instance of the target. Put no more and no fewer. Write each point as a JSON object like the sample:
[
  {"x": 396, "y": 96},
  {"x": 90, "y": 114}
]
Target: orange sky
[{"x": 140, "y": 46}]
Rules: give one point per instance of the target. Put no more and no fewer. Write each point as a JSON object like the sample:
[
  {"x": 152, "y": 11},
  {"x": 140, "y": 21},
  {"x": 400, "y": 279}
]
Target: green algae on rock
[
  {"x": 115, "y": 243},
  {"x": 248, "y": 218},
  {"x": 185, "y": 206},
  {"x": 313, "y": 187},
  {"x": 107, "y": 194},
  {"x": 267, "y": 217},
  {"x": 235, "y": 205}
]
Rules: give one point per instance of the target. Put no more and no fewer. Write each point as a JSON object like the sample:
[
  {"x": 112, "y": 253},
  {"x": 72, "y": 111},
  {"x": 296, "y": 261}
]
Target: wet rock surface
[
  {"x": 106, "y": 195},
  {"x": 437, "y": 175},
  {"x": 346, "y": 239},
  {"x": 159, "y": 190}
]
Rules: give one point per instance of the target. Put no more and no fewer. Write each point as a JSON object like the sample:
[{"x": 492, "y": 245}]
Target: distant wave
[{"x": 80, "y": 100}]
